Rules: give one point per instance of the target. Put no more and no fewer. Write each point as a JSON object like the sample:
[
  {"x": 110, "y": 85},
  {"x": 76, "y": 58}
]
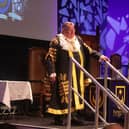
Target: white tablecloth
[{"x": 14, "y": 90}]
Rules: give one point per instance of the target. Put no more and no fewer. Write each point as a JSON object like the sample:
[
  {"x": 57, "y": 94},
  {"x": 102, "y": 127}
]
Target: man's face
[{"x": 70, "y": 32}]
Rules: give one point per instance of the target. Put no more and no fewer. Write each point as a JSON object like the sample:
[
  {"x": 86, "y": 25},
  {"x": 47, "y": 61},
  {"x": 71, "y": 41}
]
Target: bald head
[
  {"x": 68, "y": 30},
  {"x": 66, "y": 25}
]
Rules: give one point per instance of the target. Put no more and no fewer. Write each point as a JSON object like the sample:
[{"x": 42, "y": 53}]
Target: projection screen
[{"x": 36, "y": 19}]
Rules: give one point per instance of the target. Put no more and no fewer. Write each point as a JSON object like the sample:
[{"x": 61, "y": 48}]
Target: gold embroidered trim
[
  {"x": 78, "y": 105},
  {"x": 59, "y": 111}
]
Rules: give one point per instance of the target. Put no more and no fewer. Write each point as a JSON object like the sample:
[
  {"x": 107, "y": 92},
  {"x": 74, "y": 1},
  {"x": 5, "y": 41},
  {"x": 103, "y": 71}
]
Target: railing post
[
  {"x": 69, "y": 95},
  {"x": 105, "y": 95},
  {"x": 97, "y": 107},
  {"x": 126, "y": 121}
]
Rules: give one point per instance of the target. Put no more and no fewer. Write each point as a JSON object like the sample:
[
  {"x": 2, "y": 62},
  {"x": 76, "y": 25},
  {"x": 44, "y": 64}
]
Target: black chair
[{"x": 116, "y": 62}]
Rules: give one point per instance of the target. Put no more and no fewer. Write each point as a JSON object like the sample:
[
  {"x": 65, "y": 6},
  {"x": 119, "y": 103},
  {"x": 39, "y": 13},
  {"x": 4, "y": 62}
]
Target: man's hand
[
  {"x": 53, "y": 77},
  {"x": 104, "y": 58}
]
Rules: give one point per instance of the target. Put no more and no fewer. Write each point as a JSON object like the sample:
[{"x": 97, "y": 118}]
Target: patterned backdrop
[{"x": 86, "y": 14}]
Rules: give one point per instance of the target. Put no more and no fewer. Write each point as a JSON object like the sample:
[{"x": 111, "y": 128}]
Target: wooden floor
[{"x": 38, "y": 122}]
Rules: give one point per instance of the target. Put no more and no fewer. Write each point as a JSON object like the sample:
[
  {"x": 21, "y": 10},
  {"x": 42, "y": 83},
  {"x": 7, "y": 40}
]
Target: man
[{"x": 62, "y": 47}]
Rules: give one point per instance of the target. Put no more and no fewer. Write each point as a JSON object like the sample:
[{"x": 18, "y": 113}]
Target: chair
[
  {"x": 6, "y": 113},
  {"x": 116, "y": 62}
]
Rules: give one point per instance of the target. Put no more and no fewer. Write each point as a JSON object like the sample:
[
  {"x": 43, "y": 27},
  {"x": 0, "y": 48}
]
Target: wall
[{"x": 14, "y": 56}]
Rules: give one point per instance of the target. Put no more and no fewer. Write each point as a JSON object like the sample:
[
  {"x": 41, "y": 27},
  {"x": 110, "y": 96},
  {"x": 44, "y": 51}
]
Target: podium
[{"x": 119, "y": 88}]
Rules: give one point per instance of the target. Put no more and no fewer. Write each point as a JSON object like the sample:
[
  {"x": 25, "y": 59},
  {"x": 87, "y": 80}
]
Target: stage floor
[{"x": 41, "y": 122}]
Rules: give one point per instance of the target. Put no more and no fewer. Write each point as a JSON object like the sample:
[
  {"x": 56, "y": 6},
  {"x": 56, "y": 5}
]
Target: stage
[
  {"x": 35, "y": 121},
  {"x": 26, "y": 110}
]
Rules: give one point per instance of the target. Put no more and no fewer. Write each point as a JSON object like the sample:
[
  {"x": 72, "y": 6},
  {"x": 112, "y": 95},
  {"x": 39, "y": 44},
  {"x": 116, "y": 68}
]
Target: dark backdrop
[{"x": 14, "y": 54}]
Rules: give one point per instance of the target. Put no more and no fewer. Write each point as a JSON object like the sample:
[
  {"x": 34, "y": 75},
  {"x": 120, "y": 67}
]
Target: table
[{"x": 14, "y": 90}]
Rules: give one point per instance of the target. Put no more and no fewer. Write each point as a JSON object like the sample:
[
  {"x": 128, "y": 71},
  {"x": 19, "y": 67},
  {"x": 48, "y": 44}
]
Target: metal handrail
[
  {"x": 117, "y": 72},
  {"x": 110, "y": 94},
  {"x": 107, "y": 64}
]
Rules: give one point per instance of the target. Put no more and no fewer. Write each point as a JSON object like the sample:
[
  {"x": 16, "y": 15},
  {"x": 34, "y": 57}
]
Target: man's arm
[{"x": 50, "y": 59}]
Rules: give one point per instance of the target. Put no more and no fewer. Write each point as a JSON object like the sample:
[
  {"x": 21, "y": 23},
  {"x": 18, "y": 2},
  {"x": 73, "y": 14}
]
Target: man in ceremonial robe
[{"x": 63, "y": 46}]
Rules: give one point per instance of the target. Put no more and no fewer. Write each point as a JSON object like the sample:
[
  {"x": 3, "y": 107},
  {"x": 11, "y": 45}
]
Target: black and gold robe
[{"x": 57, "y": 61}]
